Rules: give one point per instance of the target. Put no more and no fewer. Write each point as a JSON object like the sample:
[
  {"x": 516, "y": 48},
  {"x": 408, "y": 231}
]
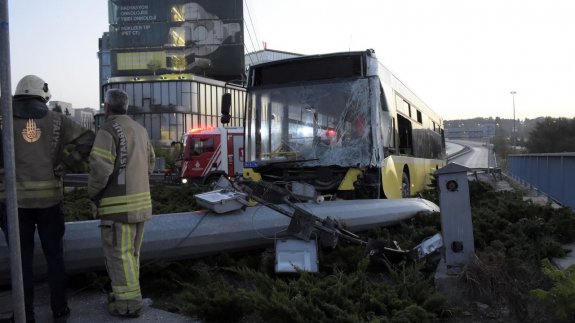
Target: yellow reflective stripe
[
  {"x": 126, "y": 288},
  {"x": 137, "y": 260},
  {"x": 127, "y": 203},
  {"x": 125, "y": 208},
  {"x": 130, "y": 248},
  {"x": 102, "y": 153},
  {"x": 128, "y": 296},
  {"x": 38, "y": 185},
  {"x": 125, "y": 292},
  {"x": 39, "y": 194},
  {"x": 124, "y": 253},
  {"x": 36, "y": 189},
  {"x": 125, "y": 199},
  {"x": 125, "y": 249}
]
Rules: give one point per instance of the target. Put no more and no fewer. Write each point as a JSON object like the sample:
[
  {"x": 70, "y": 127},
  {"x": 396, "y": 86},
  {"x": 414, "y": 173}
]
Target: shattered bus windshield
[{"x": 316, "y": 124}]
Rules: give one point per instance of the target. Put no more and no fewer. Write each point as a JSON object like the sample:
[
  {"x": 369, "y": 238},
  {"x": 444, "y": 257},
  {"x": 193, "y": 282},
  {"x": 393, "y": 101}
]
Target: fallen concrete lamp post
[{"x": 202, "y": 233}]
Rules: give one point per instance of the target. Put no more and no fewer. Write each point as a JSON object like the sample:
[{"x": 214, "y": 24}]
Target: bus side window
[
  {"x": 405, "y": 135},
  {"x": 382, "y": 101}
]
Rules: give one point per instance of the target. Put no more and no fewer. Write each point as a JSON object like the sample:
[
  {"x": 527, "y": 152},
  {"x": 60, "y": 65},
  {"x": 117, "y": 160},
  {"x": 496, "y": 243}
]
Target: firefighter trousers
[
  {"x": 121, "y": 243},
  {"x": 50, "y": 224}
]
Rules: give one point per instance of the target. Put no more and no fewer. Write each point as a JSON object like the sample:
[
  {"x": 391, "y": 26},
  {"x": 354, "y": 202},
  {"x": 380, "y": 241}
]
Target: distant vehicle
[
  {"x": 208, "y": 153},
  {"x": 341, "y": 122}
]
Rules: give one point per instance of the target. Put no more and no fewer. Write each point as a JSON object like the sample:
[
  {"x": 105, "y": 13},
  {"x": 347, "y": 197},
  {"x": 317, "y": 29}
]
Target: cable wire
[{"x": 256, "y": 49}]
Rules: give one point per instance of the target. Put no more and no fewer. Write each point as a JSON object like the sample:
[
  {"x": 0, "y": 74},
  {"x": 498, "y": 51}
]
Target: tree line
[
  {"x": 549, "y": 135},
  {"x": 552, "y": 135}
]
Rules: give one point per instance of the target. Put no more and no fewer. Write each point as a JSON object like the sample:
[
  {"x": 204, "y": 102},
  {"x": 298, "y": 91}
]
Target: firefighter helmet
[{"x": 32, "y": 85}]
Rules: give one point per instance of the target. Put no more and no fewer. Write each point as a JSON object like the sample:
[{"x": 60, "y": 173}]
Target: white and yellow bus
[{"x": 341, "y": 122}]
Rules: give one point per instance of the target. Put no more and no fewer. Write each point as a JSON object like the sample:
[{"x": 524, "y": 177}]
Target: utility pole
[
  {"x": 9, "y": 167},
  {"x": 514, "y": 131}
]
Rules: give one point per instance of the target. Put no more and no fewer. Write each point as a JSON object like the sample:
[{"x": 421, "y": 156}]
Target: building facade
[
  {"x": 61, "y": 106},
  {"x": 175, "y": 59},
  {"x": 202, "y": 37},
  {"x": 85, "y": 117},
  {"x": 170, "y": 105}
]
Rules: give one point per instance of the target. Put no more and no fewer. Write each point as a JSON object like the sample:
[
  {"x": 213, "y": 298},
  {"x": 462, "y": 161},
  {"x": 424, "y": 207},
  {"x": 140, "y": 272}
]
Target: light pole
[{"x": 513, "y": 131}]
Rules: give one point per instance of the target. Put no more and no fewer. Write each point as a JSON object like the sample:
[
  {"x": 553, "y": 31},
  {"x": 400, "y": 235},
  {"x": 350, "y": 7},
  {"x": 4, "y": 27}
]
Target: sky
[{"x": 462, "y": 57}]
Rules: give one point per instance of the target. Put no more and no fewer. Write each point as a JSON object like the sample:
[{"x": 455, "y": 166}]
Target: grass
[{"x": 513, "y": 239}]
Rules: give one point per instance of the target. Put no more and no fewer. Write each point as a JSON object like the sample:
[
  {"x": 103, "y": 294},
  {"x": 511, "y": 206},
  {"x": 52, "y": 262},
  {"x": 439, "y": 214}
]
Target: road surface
[{"x": 479, "y": 155}]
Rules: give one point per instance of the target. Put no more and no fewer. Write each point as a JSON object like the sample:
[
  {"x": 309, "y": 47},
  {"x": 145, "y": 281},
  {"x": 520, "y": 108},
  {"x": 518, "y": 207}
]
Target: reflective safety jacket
[
  {"x": 40, "y": 136},
  {"x": 120, "y": 163}
]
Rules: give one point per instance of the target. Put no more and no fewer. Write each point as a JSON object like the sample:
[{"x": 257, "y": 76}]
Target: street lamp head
[{"x": 513, "y": 92}]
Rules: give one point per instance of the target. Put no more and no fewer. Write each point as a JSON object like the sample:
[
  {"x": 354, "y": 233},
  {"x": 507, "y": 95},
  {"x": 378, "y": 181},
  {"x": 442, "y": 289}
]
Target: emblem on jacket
[{"x": 31, "y": 133}]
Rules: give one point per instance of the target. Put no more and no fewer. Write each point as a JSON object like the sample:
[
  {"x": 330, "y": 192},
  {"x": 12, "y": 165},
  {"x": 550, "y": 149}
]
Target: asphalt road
[{"x": 479, "y": 154}]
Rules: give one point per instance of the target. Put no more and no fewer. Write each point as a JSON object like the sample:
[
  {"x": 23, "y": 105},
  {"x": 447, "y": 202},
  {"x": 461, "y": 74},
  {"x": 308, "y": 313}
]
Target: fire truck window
[{"x": 203, "y": 145}]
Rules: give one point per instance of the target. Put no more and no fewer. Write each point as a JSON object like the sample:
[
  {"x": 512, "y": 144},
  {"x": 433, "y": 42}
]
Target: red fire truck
[{"x": 208, "y": 153}]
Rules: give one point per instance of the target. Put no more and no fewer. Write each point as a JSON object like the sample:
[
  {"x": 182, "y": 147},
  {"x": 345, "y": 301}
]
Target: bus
[{"x": 341, "y": 122}]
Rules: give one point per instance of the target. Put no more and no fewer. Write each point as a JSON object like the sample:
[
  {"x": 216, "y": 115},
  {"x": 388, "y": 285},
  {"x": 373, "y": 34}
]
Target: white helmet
[{"x": 33, "y": 85}]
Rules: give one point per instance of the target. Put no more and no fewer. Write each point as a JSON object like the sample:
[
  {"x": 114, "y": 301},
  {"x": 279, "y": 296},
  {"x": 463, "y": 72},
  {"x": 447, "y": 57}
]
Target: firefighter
[
  {"x": 120, "y": 163},
  {"x": 40, "y": 136}
]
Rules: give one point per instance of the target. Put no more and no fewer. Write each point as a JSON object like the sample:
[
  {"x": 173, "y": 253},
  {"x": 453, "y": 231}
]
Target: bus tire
[{"x": 405, "y": 185}]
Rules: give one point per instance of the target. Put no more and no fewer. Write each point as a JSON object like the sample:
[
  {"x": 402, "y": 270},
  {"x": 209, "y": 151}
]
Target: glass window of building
[
  {"x": 179, "y": 93},
  {"x": 177, "y": 13},
  {"x": 156, "y": 127},
  {"x": 169, "y": 105},
  {"x": 172, "y": 94},
  {"x": 130, "y": 90},
  {"x": 178, "y": 36},
  {"x": 195, "y": 99},
  {"x": 157, "y": 93},
  {"x": 165, "y": 94},
  {"x": 186, "y": 96},
  {"x": 137, "y": 95}
]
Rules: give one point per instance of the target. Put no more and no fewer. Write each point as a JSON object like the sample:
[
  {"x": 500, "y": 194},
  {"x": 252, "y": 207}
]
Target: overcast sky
[{"x": 463, "y": 58}]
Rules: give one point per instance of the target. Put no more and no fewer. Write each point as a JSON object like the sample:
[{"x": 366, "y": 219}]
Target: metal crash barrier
[{"x": 550, "y": 174}]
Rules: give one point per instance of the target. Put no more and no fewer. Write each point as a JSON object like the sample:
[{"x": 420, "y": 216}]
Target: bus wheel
[{"x": 405, "y": 186}]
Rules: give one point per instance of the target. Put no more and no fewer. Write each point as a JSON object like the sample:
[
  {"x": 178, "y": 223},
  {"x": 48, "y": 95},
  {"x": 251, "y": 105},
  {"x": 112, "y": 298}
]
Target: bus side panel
[
  {"x": 420, "y": 172},
  {"x": 391, "y": 173},
  {"x": 419, "y": 175}
]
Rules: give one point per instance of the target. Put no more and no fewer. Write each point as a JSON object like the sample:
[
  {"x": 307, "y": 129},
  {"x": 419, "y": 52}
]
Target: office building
[{"x": 175, "y": 59}]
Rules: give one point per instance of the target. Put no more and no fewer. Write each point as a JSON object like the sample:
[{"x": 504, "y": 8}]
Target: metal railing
[{"x": 550, "y": 174}]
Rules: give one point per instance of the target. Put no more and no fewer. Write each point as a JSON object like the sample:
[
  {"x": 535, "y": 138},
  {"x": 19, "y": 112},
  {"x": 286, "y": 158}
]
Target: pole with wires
[{"x": 8, "y": 168}]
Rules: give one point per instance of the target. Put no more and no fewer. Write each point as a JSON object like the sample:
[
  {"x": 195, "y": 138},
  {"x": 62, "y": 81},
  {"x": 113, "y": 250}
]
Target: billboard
[{"x": 180, "y": 36}]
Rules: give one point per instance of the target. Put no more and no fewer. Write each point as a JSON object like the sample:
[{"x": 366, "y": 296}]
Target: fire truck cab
[{"x": 209, "y": 153}]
